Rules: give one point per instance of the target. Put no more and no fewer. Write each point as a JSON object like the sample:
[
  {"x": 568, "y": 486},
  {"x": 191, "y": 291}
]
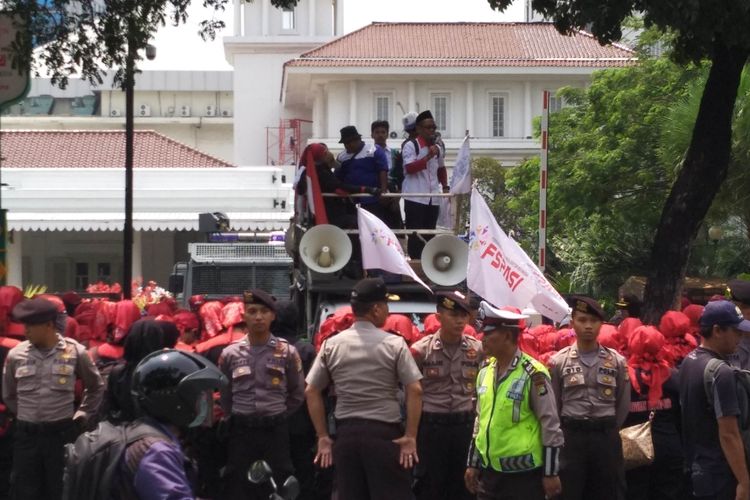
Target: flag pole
[{"x": 543, "y": 165}]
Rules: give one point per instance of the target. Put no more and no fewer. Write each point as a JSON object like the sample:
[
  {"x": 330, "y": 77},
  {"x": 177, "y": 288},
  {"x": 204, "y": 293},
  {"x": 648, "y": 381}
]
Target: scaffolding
[{"x": 284, "y": 143}]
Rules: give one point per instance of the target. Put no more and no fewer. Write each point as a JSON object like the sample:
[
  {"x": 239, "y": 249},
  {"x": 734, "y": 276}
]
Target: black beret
[
  {"x": 453, "y": 301},
  {"x": 739, "y": 290},
  {"x": 369, "y": 290},
  {"x": 424, "y": 115},
  {"x": 628, "y": 300},
  {"x": 258, "y": 296},
  {"x": 586, "y": 305},
  {"x": 35, "y": 311}
]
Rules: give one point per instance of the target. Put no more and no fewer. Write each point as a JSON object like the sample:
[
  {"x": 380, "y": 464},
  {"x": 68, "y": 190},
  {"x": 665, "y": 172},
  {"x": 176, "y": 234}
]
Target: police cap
[
  {"x": 453, "y": 301},
  {"x": 369, "y": 290},
  {"x": 586, "y": 305},
  {"x": 739, "y": 290},
  {"x": 35, "y": 311},
  {"x": 261, "y": 297},
  {"x": 491, "y": 318}
]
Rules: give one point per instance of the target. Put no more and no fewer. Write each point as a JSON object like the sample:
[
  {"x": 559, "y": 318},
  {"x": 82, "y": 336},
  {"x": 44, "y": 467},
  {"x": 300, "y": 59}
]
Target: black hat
[
  {"x": 586, "y": 305},
  {"x": 369, "y": 290},
  {"x": 424, "y": 115},
  {"x": 348, "y": 133},
  {"x": 258, "y": 296},
  {"x": 739, "y": 290},
  {"x": 453, "y": 301},
  {"x": 35, "y": 311}
]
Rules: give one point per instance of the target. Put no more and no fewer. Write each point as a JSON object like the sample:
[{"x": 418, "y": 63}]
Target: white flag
[
  {"x": 461, "y": 178},
  {"x": 501, "y": 272},
  {"x": 380, "y": 247}
]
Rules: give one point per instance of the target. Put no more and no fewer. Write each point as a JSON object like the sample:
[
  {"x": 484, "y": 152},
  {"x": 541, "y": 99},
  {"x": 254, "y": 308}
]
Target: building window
[
  {"x": 555, "y": 103},
  {"x": 440, "y": 104},
  {"x": 383, "y": 107},
  {"x": 82, "y": 275},
  {"x": 104, "y": 272},
  {"x": 288, "y": 21},
  {"x": 497, "y": 115}
]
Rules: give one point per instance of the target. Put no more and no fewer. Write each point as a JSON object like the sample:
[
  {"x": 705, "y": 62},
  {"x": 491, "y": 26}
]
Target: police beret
[
  {"x": 491, "y": 317},
  {"x": 628, "y": 300},
  {"x": 369, "y": 290},
  {"x": 739, "y": 290},
  {"x": 258, "y": 296},
  {"x": 35, "y": 311},
  {"x": 453, "y": 301},
  {"x": 586, "y": 305}
]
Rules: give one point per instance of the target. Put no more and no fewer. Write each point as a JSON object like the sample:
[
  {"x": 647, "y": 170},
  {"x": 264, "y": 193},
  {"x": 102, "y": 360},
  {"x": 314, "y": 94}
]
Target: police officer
[
  {"x": 449, "y": 362},
  {"x": 373, "y": 454},
  {"x": 739, "y": 291},
  {"x": 517, "y": 437},
  {"x": 38, "y": 387},
  {"x": 592, "y": 389},
  {"x": 266, "y": 384}
]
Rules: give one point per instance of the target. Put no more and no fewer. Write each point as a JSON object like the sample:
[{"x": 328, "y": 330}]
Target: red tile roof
[
  {"x": 464, "y": 45},
  {"x": 97, "y": 148}
]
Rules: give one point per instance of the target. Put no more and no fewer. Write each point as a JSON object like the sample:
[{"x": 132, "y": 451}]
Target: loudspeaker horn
[
  {"x": 444, "y": 260},
  {"x": 325, "y": 248}
]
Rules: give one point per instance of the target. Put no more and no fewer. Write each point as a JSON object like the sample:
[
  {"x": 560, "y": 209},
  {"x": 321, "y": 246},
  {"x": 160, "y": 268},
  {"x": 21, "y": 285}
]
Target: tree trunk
[{"x": 703, "y": 171}]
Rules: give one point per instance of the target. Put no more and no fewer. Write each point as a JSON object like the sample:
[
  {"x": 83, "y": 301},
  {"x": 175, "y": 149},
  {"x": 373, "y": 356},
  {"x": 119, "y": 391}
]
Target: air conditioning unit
[
  {"x": 144, "y": 110},
  {"x": 184, "y": 110},
  {"x": 115, "y": 112},
  {"x": 210, "y": 110},
  {"x": 170, "y": 110},
  {"x": 226, "y": 113}
]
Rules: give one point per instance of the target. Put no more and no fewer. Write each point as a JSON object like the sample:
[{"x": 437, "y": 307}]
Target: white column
[
  {"x": 470, "y": 125},
  {"x": 311, "y": 17},
  {"x": 14, "y": 259},
  {"x": 238, "y": 17},
  {"x": 138, "y": 254},
  {"x": 265, "y": 8},
  {"x": 352, "y": 102},
  {"x": 412, "y": 97},
  {"x": 339, "y": 21},
  {"x": 318, "y": 112},
  {"x": 527, "y": 109}
]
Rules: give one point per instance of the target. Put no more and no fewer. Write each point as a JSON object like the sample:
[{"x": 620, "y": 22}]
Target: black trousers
[
  {"x": 591, "y": 464},
  {"x": 658, "y": 481},
  {"x": 366, "y": 460},
  {"x": 39, "y": 459},
  {"x": 442, "y": 450},
  {"x": 495, "y": 485},
  {"x": 419, "y": 216},
  {"x": 250, "y": 443}
]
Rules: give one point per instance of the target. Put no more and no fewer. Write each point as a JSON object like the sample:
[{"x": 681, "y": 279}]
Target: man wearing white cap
[{"x": 517, "y": 436}]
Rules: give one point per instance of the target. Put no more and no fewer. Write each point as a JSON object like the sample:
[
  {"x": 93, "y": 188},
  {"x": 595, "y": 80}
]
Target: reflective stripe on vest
[{"x": 509, "y": 437}]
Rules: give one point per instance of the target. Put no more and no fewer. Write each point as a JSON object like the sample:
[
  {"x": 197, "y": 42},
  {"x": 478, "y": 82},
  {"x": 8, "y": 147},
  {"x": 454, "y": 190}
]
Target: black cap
[
  {"x": 35, "y": 311},
  {"x": 369, "y": 290},
  {"x": 586, "y": 305},
  {"x": 424, "y": 115},
  {"x": 348, "y": 133},
  {"x": 739, "y": 290},
  {"x": 258, "y": 296},
  {"x": 453, "y": 301}
]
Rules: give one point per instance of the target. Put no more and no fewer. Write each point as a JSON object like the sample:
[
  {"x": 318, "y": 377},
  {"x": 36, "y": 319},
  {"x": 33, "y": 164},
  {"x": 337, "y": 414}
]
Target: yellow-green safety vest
[{"x": 509, "y": 437}]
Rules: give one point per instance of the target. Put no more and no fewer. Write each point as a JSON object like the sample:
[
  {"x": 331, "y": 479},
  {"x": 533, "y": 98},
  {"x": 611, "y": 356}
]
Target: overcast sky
[{"x": 182, "y": 48}]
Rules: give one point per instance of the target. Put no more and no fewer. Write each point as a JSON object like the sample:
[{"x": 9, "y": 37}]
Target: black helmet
[{"x": 176, "y": 387}]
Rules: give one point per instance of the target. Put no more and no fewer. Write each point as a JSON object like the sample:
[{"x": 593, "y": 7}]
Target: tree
[{"x": 714, "y": 30}]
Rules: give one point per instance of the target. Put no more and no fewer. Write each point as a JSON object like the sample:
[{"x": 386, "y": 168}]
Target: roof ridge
[{"x": 195, "y": 150}]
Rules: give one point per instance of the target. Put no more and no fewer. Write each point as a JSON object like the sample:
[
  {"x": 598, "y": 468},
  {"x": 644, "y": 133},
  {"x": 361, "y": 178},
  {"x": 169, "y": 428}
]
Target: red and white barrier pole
[{"x": 542, "y": 261}]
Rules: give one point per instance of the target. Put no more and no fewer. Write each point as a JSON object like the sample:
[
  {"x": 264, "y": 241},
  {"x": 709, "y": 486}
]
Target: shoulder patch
[{"x": 539, "y": 381}]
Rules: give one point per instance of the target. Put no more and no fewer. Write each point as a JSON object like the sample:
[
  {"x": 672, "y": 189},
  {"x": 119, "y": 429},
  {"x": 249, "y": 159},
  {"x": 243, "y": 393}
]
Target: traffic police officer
[
  {"x": 592, "y": 389},
  {"x": 739, "y": 291},
  {"x": 517, "y": 436},
  {"x": 373, "y": 453},
  {"x": 266, "y": 384},
  {"x": 449, "y": 362},
  {"x": 38, "y": 386}
]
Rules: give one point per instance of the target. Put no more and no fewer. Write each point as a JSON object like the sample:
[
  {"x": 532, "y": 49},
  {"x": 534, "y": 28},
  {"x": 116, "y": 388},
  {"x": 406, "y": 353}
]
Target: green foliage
[{"x": 91, "y": 36}]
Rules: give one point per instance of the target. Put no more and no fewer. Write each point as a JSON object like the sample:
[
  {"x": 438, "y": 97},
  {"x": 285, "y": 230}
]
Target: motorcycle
[{"x": 260, "y": 472}]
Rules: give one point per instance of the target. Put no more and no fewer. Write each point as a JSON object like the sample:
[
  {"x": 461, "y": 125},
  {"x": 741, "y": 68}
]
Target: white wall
[{"x": 254, "y": 24}]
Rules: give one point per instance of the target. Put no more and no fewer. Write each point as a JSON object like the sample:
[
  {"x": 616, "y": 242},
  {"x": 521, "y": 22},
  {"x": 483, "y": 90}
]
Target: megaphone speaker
[
  {"x": 325, "y": 248},
  {"x": 444, "y": 260}
]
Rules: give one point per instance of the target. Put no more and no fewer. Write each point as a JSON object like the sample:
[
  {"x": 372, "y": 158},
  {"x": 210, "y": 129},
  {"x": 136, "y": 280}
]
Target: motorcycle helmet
[{"x": 176, "y": 387}]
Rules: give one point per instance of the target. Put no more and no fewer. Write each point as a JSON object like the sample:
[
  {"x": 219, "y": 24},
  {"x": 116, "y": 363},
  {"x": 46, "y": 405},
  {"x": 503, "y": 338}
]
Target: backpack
[
  {"x": 92, "y": 462},
  {"x": 742, "y": 377}
]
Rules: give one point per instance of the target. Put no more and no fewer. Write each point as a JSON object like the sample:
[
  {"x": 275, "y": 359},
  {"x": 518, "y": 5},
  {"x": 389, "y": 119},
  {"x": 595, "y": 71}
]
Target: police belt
[
  {"x": 44, "y": 427},
  {"x": 257, "y": 420},
  {"x": 463, "y": 417},
  {"x": 589, "y": 424}
]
